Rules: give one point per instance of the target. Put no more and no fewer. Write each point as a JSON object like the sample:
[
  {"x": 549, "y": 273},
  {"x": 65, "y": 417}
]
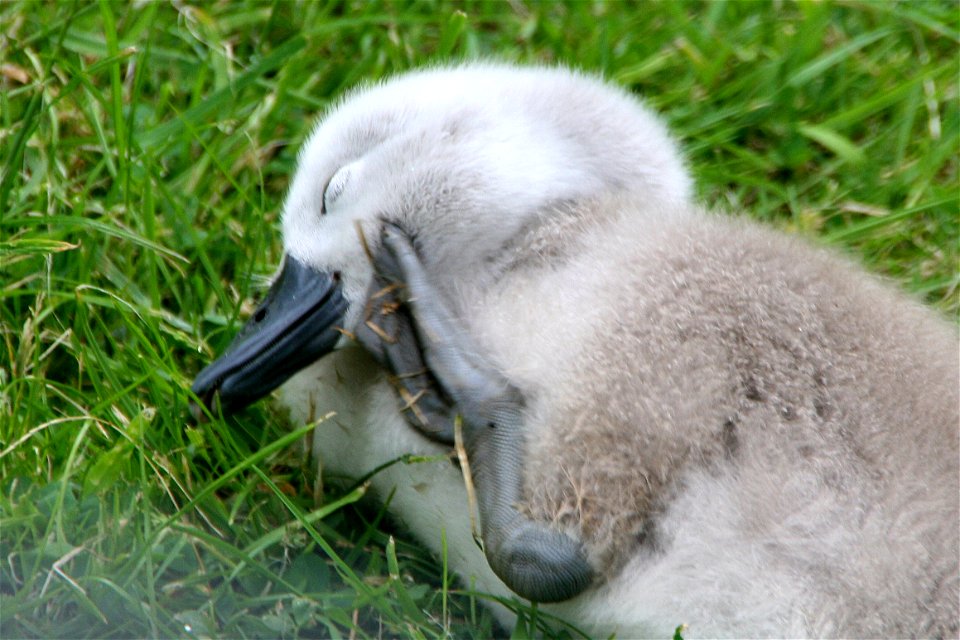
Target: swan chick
[{"x": 740, "y": 431}]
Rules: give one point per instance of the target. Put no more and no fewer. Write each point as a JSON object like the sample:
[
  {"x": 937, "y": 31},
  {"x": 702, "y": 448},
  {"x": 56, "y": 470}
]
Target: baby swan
[{"x": 727, "y": 427}]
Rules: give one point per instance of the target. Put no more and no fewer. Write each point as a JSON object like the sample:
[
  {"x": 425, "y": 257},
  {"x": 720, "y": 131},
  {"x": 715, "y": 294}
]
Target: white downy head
[{"x": 463, "y": 158}]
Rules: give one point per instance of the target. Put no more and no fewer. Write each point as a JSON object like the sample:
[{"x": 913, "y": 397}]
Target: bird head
[{"x": 463, "y": 159}]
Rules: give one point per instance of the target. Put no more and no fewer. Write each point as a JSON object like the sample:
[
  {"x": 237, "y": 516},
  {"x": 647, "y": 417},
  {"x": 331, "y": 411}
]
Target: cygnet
[{"x": 670, "y": 415}]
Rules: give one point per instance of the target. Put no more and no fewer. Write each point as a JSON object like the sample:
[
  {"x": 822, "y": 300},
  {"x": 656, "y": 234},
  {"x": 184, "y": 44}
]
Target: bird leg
[{"x": 535, "y": 561}]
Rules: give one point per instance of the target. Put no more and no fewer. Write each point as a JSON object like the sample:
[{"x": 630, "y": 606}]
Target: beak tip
[
  {"x": 199, "y": 408},
  {"x": 197, "y": 413},
  {"x": 295, "y": 325},
  {"x": 206, "y": 389}
]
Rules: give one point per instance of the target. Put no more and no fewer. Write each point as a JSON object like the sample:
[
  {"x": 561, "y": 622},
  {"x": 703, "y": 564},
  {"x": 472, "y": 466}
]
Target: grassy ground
[{"x": 144, "y": 151}]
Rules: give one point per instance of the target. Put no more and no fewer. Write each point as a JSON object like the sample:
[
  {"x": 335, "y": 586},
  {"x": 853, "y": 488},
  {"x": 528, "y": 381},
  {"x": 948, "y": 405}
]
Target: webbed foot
[
  {"x": 387, "y": 332},
  {"x": 535, "y": 561}
]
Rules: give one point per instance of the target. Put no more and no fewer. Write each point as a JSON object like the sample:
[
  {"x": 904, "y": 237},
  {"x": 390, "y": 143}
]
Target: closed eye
[
  {"x": 333, "y": 190},
  {"x": 336, "y": 186},
  {"x": 323, "y": 200}
]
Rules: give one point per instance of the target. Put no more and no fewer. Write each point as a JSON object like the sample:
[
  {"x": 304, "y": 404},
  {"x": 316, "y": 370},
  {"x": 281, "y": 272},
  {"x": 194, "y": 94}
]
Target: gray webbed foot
[
  {"x": 387, "y": 333},
  {"x": 535, "y": 561}
]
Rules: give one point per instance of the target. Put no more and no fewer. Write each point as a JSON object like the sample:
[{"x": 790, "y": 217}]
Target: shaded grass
[{"x": 145, "y": 150}]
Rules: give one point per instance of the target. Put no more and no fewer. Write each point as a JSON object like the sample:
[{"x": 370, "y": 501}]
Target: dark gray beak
[{"x": 295, "y": 326}]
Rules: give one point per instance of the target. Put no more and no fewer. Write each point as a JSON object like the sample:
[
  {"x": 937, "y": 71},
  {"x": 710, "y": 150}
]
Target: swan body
[{"x": 746, "y": 434}]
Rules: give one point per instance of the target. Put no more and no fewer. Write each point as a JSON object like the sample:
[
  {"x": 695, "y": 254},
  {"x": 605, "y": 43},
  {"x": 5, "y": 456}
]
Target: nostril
[
  {"x": 260, "y": 315},
  {"x": 336, "y": 276}
]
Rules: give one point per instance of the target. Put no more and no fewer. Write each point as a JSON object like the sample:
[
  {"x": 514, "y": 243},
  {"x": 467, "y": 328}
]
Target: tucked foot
[
  {"x": 535, "y": 561},
  {"x": 387, "y": 333}
]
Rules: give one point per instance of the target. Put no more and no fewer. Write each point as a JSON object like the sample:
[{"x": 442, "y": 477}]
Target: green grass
[{"x": 144, "y": 152}]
